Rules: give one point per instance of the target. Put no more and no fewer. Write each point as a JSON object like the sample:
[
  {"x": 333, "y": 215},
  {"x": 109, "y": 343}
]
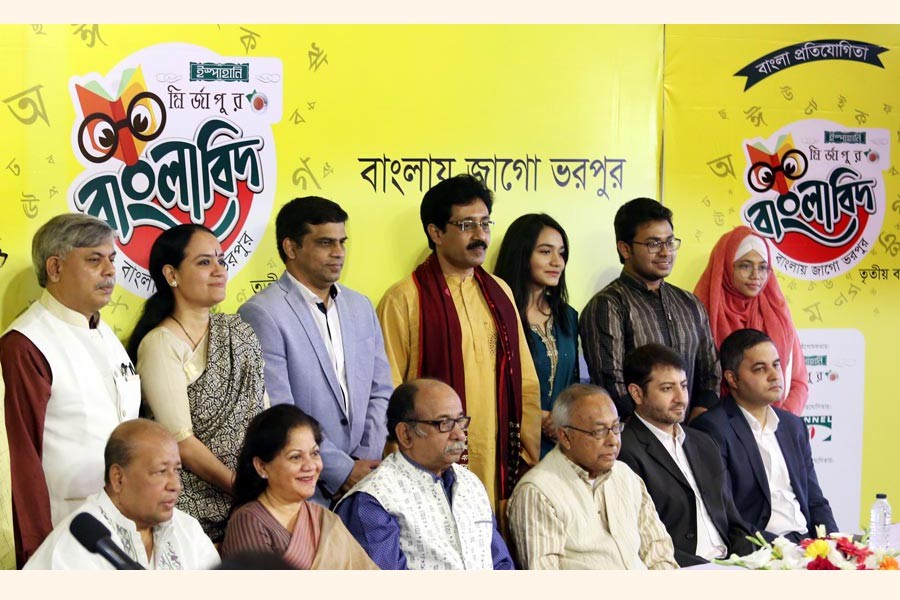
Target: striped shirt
[
  {"x": 626, "y": 315},
  {"x": 554, "y": 536}
]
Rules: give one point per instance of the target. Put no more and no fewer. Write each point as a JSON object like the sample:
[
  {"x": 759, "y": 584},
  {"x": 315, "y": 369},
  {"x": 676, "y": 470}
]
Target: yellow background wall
[
  {"x": 699, "y": 83},
  {"x": 646, "y": 94}
]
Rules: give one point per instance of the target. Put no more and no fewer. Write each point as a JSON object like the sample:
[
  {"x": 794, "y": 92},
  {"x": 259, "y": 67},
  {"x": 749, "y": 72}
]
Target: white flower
[
  {"x": 791, "y": 554},
  {"x": 756, "y": 560}
]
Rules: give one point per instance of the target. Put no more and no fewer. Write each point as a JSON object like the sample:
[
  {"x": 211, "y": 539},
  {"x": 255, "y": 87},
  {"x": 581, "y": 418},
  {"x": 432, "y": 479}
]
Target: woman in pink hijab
[{"x": 739, "y": 291}]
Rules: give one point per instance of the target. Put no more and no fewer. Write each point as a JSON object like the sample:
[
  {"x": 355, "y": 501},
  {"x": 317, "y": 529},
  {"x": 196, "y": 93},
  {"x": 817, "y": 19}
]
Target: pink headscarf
[{"x": 729, "y": 310}]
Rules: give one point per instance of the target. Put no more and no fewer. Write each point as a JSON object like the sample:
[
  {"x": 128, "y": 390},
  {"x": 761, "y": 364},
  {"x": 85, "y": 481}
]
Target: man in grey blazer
[{"x": 322, "y": 344}]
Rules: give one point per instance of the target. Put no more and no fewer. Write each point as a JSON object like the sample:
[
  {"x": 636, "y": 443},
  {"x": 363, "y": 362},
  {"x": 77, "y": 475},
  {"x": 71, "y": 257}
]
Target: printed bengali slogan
[{"x": 498, "y": 173}]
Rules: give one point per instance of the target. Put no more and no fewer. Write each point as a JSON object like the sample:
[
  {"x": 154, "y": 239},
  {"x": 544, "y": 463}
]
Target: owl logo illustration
[
  {"x": 776, "y": 170},
  {"x": 122, "y": 127}
]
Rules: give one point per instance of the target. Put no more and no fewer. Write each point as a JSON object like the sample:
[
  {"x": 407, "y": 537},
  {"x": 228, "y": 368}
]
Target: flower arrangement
[{"x": 836, "y": 551}]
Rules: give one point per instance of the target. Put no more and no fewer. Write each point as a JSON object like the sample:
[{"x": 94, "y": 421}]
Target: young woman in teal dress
[{"x": 532, "y": 261}]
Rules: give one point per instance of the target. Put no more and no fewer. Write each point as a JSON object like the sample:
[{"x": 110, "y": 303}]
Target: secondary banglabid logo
[
  {"x": 817, "y": 194},
  {"x": 177, "y": 134}
]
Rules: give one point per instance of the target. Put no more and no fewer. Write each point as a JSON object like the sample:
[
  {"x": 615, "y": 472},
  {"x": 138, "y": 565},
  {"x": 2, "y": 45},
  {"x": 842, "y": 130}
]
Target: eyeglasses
[
  {"x": 654, "y": 246},
  {"x": 468, "y": 224},
  {"x": 747, "y": 269},
  {"x": 445, "y": 425},
  {"x": 98, "y": 134},
  {"x": 601, "y": 432}
]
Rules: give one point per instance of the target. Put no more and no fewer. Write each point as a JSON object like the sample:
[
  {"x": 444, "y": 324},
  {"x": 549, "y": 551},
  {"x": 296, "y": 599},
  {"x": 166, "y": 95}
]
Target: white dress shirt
[
  {"x": 709, "y": 542},
  {"x": 786, "y": 514},
  {"x": 329, "y": 325}
]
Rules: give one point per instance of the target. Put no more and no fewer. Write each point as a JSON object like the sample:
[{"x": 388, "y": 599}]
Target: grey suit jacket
[{"x": 298, "y": 370}]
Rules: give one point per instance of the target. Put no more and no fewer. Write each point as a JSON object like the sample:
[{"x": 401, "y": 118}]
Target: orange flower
[{"x": 889, "y": 563}]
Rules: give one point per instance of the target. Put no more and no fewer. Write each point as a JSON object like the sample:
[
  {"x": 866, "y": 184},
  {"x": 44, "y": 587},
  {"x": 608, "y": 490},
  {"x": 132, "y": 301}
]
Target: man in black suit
[
  {"x": 766, "y": 449},
  {"x": 682, "y": 469}
]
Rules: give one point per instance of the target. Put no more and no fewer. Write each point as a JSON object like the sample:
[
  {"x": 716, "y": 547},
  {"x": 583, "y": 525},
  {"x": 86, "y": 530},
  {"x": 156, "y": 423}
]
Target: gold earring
[{"x": 174, "y": 284}]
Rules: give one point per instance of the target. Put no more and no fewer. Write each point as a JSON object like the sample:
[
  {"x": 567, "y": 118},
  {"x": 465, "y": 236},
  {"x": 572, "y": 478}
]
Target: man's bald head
[
  {"x": 143, "y": 472},
  {"x": 402, "y": 405},
  {"x": 582, "y": 413},
  {"x": 418, "y": 414},
  {"x": 125, "y": 440},
  {"x": 572, "y": 396}
]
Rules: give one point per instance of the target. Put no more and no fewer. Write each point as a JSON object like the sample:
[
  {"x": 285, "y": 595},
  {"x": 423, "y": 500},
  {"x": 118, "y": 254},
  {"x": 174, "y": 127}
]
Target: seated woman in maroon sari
[{"x": 277, "y": 472}]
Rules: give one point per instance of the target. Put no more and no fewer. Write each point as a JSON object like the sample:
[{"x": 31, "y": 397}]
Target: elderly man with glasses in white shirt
[{"x": 580, "y": 508}]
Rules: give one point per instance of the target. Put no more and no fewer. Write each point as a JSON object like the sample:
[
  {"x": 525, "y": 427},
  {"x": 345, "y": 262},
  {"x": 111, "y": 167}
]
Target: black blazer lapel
[
  {"x": 743, "y": 433},
  {"x": 706, "y": 483},
  {"x": 656, "y": 450}
]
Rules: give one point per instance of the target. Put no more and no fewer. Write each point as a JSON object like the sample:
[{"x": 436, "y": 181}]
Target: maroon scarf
[{"x": 440, "y": 356}]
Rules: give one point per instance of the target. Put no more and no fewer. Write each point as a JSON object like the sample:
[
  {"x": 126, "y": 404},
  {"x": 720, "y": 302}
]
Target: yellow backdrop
[
  {"x": 709, "y": 116},
  {"x": 578, "y": 106},
  {"x": 569, "y": 96}
]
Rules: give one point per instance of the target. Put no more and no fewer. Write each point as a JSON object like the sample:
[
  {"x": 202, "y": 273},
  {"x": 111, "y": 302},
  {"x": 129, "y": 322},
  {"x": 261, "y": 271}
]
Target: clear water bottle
[{"x": 879, "y": 522}]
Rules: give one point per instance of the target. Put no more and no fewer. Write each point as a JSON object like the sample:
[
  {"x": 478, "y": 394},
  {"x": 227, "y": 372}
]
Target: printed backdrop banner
[
  {"x": 192, "y": 145},
  {"x": 794, "y": 131},
  {"x": 150, "y": 126},
  {"x": 835, "y": 360}
]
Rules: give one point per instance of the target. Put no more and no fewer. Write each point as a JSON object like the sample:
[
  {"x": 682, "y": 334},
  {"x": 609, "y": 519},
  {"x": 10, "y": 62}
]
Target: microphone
[{"x": 97, "y": 539}]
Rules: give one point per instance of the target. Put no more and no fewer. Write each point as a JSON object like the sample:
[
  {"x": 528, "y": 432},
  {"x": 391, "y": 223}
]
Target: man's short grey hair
[
  {"x": 62, "y": 233},
  {"x": 562, "y": 406}
]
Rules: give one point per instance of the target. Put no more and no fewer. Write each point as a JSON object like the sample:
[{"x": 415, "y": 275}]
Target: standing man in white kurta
[{"x": 69, "y": 381}]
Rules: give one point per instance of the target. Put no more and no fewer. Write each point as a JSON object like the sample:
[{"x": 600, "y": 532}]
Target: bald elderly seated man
[
  {"x": 580, "y": 508},
  {"x": 137, "y": 505},
  {"x": 419, "y": 509}
]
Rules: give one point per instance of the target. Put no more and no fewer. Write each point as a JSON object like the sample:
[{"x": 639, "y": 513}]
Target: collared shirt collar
[
  {"x": 632, "y": 281},
  {"x": 446, "y": 479},
  {"x": 584, "y": 475},
  {"x": 755, "y": 426},
  {"x": 66, "y": 314},
  {"x": 310, "y": 296},
  {"x": 161, "y": 532},
  {"x": 664, "y": 436}
]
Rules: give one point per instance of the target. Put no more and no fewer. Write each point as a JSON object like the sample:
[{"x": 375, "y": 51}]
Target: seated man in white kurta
[
  {"x": 137, "y": 505},
  {"x": 419, "y": 509},
  {"x": 69, "y": 381},
  {"x": 580, "y": 508}
]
